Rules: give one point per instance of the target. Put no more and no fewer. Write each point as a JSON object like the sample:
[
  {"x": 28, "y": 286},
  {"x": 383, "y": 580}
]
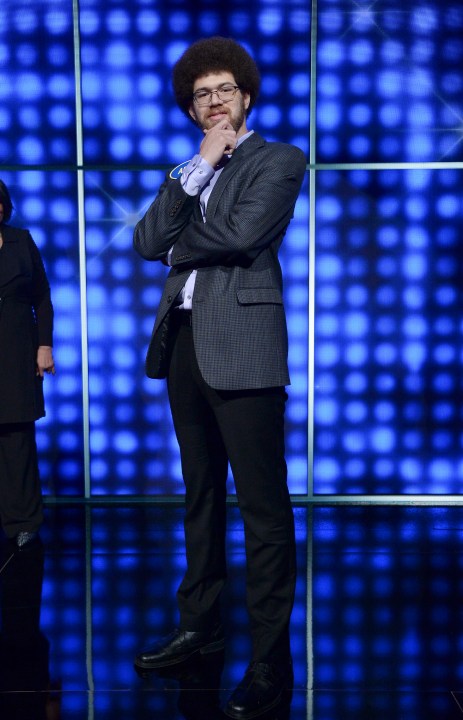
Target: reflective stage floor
[{"x": 377, "y": 629}]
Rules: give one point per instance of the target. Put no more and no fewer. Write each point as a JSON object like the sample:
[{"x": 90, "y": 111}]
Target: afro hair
[{"x": 214, "y": 55}]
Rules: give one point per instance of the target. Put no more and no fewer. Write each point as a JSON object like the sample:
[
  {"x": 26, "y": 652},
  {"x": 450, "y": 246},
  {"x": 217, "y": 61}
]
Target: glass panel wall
[{"x": 89, "y": 127}]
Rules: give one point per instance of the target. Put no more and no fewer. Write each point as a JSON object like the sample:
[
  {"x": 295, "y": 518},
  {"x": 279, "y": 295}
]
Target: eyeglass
[{"x": 224, "y": 93}]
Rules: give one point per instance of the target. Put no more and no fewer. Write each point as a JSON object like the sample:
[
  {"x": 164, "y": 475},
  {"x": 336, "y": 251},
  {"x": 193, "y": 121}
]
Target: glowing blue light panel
[
  {"x": 128, "y": 50},
  {"x": 37, "y": 84},
  {"x": 388, "y": 332},
  {"x": 389, "y": 82},
  {"x": 46, "y": 203}
]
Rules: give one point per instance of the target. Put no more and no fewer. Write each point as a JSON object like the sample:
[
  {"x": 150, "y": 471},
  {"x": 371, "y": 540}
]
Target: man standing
[{"x": 220, "y": 339}]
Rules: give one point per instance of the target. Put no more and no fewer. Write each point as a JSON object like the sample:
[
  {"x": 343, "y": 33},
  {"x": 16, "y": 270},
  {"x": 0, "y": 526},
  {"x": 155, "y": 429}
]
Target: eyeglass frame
[{"x": 216, "y": 91}]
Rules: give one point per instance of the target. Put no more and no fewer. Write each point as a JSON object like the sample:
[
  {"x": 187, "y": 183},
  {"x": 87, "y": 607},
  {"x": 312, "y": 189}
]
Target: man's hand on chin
[{"x": 218, "y": 141}]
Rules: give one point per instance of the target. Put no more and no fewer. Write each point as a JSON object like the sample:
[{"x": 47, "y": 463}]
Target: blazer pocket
[{"x": 254, "y": 296}]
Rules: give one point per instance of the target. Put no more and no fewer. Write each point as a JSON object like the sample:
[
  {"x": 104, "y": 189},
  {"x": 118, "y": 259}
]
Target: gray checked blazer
[{"x": 238, "y": 318}]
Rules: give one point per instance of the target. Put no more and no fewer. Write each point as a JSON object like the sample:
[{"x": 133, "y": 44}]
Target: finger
[{"x": 223, "y": 124}]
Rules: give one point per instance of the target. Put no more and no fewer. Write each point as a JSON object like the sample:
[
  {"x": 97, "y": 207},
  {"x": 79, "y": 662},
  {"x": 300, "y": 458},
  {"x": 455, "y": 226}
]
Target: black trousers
[
  {"x": 20, "y": 490},
  {"x": 245, "y": 428}
]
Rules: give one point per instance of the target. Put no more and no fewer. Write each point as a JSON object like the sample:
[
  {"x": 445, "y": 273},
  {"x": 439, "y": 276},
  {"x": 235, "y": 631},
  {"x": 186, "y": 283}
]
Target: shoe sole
[{"x": 179, "y": 659}]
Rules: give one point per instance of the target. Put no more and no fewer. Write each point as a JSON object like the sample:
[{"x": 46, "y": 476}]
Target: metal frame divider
[{"x": 84, "y": 347}]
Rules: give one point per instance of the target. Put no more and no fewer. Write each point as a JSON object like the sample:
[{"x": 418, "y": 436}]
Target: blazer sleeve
[
  {"x": 41, "y": 296},
  {"x": 164, "y": 220},
  {"x": 253, "y": 212}
]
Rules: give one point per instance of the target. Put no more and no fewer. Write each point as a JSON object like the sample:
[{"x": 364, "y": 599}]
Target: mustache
[{"x": 214, "y": 112}]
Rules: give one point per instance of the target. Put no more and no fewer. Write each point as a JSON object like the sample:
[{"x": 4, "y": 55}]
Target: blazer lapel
[{"x": 243, "y": 154}]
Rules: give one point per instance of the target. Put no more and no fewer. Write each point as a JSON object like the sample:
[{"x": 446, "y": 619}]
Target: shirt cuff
[{"x": 196, "y": 175}]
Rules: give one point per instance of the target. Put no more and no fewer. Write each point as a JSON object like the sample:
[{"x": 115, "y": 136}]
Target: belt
[{"x": 182, "y": 317}]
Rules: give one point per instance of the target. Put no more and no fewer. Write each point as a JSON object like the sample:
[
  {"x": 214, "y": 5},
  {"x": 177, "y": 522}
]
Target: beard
[{"x": 236, "y": 116}]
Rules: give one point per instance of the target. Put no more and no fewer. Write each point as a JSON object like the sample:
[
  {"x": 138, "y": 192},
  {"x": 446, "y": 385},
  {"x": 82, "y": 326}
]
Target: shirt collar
[{"x": 244, "y": 137}]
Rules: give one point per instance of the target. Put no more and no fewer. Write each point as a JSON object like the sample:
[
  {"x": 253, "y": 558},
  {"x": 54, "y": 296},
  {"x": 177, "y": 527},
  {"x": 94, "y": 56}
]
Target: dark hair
[
  {"x": 5, "y": 199},
  {"x": 213, "y": 55}
]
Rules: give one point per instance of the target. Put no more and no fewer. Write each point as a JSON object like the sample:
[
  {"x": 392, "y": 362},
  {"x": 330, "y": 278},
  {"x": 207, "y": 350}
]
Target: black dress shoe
[
  {"x": 178, "y": 647},
  {"x": 261, "y": 690}
]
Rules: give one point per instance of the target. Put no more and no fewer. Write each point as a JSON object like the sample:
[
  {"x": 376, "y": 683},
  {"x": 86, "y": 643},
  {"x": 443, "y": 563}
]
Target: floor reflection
[
  {"x": 199, "y": 684},
  {"x": 24, "y": 649},
  {"x": 377, "y": 628}
]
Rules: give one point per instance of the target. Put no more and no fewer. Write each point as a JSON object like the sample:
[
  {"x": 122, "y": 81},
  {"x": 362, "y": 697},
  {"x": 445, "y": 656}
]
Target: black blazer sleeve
[{"x": 41, "y": 296}]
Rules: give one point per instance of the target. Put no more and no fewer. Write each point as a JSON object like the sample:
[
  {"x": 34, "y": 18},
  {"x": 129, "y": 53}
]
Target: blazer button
[{"x": 169, "y": 298}]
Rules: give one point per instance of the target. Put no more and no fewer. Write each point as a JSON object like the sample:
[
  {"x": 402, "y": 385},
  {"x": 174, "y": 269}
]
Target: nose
[{"x": 215, "y": 100}]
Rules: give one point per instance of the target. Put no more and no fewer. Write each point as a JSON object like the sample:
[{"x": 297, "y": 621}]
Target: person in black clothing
[{"x": 26, "y": 354}]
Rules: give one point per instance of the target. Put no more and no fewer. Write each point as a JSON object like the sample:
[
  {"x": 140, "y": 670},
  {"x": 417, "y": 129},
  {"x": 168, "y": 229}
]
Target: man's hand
[
  {"x": 45, "y": 362},
  {"x": 218, "y": 141}
]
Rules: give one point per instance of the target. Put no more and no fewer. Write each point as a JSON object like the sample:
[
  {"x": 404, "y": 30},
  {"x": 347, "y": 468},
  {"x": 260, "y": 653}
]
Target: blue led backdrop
[
  {"x": 88, "y": 127},
  {"x": 389, "y": 81},
  {"x": 128, "y": 50},
  {"x": 388, "y": 332}
]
